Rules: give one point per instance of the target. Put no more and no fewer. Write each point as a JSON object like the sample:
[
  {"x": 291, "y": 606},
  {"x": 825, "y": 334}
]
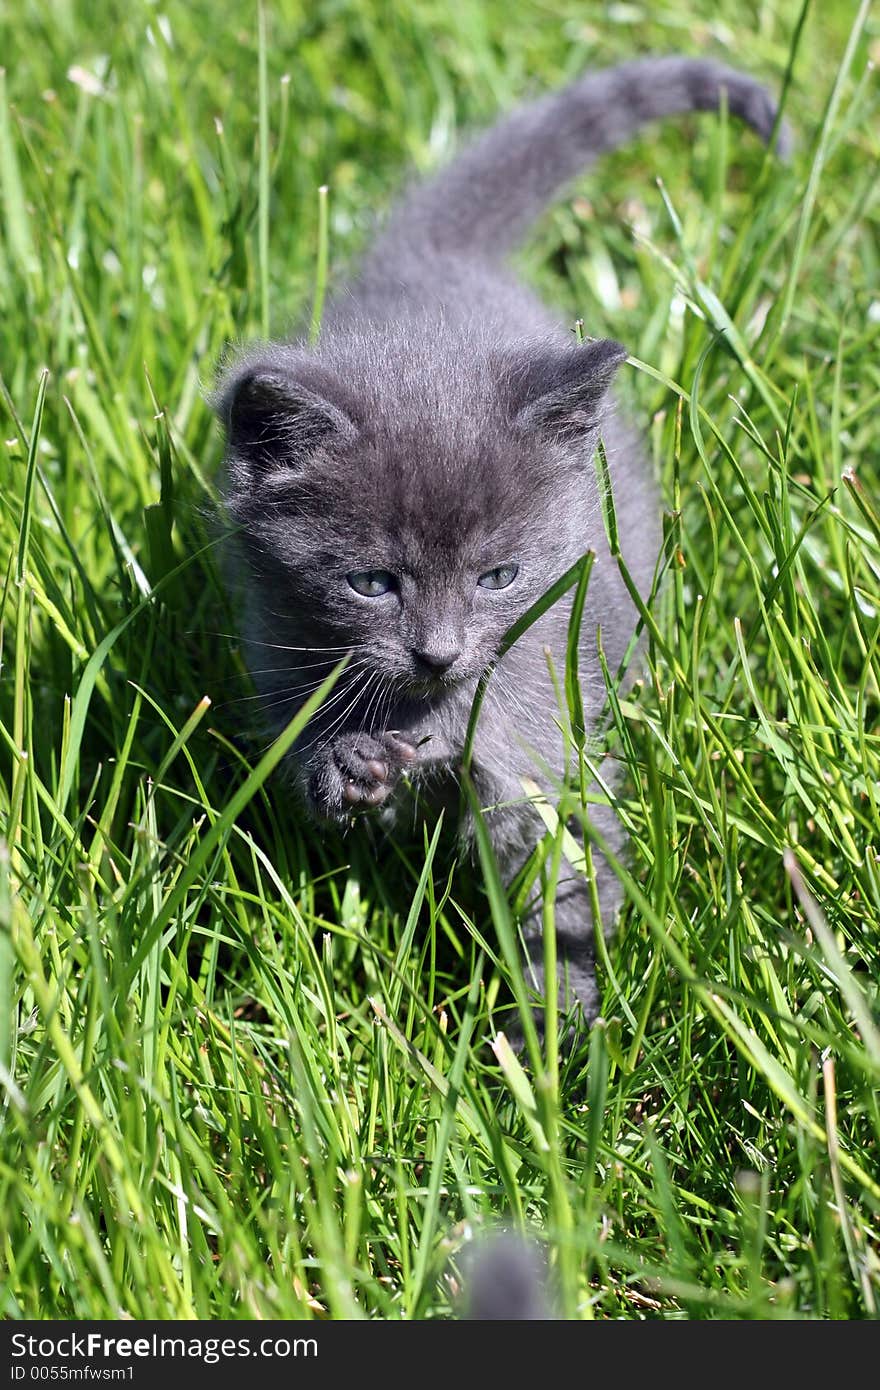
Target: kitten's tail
[{"x": 485, "y": 201}]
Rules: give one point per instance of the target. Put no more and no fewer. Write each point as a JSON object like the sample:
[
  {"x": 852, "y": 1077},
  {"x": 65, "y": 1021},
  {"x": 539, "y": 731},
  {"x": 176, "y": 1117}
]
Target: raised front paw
[{"x": 357, "y": 772}]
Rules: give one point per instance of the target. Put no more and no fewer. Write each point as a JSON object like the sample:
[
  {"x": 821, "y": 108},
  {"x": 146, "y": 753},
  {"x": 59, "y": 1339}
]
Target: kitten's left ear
[
  {"x": 560, "y": 391},
  {"x": 277, "y": 412}
]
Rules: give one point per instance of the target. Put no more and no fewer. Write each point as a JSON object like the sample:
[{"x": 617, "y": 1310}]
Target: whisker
[
  {"x": 279, "y": 646},
  {"x": 291, "y": 618},
  {"x": 394, "y": 690},
  {"x": 327, "y": 733},
  {"x": 505, "y": 693},
  {"x": 385, "y": 705},
  {"x": 375, "y": 702},
  {"x": 305, "y": 689},
  {"x": 360, "y": 688},
  {"x": 335, "y": 698},
  {"x": 346, "y": 689}
]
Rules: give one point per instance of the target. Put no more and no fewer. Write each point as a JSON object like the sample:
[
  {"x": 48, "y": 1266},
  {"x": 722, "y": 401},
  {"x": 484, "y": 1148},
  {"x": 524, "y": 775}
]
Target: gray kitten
[{"x": 404, "y": 491}]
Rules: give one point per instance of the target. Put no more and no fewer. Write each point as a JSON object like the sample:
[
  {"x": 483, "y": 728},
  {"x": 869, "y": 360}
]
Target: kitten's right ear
[
  {"x": 275, "y": 420},
  {"x": 562, "y": 392}
]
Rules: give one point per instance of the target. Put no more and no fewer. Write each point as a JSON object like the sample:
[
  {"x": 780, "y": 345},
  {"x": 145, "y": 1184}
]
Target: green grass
[{"x": 246, "y": 1072}]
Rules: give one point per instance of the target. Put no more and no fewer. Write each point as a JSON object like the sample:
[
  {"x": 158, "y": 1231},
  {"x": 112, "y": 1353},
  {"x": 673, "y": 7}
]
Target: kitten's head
[{"x": 409, "y": 500}]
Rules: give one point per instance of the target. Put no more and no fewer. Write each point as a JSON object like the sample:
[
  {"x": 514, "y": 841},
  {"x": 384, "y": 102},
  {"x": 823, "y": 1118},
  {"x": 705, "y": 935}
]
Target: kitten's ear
[
  {"x": 560, "y": 391},
  {"x": 275, "y": 419}
]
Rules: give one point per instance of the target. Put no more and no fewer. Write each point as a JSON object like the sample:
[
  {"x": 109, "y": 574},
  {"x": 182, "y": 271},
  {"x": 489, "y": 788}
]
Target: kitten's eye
[
  {"x": 372, "y": 583},
  {"x": 498, "y": 578}
]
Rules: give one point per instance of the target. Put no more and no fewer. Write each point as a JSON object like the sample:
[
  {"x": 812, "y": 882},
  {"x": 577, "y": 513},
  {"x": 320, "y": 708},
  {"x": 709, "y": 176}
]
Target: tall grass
[{"x": 245, "y": 1071}]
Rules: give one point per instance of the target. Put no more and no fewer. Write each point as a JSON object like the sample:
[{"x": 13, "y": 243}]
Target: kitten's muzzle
[{"x": 436, "y": 662}]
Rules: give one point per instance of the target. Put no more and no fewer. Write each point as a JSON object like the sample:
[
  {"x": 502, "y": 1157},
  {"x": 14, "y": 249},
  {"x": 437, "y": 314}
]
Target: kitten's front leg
[
  {"x": 511, "y": 826},
  {"x": 357, "y": 771},
  {"x": 575, "y": 951}
]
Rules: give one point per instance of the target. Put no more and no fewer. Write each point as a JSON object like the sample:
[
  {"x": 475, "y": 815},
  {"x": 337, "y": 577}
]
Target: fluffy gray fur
[{"x": 443, "y": 427}]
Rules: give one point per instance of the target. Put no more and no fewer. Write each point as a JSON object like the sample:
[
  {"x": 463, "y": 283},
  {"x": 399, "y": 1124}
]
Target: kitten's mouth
[{"x": 426, "y": 686}]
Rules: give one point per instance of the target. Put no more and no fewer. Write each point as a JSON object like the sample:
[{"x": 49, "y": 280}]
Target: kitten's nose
[{"x": 437, "y": 661}]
